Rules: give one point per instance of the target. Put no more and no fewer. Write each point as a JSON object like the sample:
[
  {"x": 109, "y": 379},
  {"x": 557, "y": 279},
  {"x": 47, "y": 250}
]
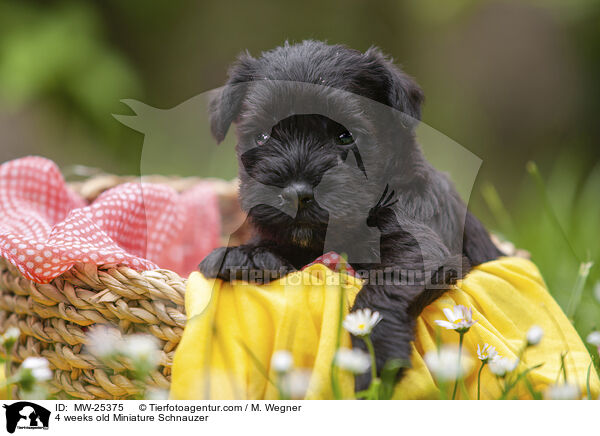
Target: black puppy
[{"x": 328, "y": 161}]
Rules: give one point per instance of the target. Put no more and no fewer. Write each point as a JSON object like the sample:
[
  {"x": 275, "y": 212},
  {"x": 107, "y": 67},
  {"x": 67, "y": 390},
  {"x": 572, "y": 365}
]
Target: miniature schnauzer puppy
[{"x": 328, "y": 161}]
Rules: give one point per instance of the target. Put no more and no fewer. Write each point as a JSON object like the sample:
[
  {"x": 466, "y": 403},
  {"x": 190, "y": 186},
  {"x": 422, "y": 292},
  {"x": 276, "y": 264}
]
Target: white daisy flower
[
  {"x": 38, "y": 366},
  {"x": 565, "y": 391},
  {"x": 444, "y": 363},
  {"x": 142, "y": 349},
  {"x": 282, "y": 361},
  {"x": 296, "y": 383},
  {"x": 356, "y": 361},
  {"x": 502, "y": 366},
  {"x": 156, "y": 394},
  {"x": 459, "y": 318},
  {"x": 361, "y": 322},
  {"x": 10, "y": 336},
  {"x": 534, "y": 335},
  {"x": 487, "y": 353},
  {"x": 594, "y": 339},
  {"x": 103, "y": 342}
]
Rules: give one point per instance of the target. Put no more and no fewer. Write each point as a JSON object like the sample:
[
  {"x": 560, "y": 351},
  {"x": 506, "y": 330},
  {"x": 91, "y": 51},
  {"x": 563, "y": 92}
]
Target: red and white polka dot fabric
[
  {"x": 45, "y": 228},
  {"x": 333, "y": 261}
]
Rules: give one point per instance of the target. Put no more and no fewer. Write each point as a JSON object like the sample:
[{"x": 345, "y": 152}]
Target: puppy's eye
[
  {"x": 345, "y": 138},
  {"x": 262, "y": 138}
]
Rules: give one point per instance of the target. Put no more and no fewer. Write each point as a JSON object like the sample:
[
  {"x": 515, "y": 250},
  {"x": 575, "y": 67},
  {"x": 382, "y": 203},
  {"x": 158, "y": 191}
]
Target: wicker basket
[{"x": 54, "y": 317}]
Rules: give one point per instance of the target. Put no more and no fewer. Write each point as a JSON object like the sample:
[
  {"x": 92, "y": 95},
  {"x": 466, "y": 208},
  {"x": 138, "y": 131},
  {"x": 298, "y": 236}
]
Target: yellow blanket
[{"x": 234, "y": 328}]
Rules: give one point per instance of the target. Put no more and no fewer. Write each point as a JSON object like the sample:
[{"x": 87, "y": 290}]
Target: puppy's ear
[
  {"x": 225, "y": 107},
  {"x": 402, "y": 92}
]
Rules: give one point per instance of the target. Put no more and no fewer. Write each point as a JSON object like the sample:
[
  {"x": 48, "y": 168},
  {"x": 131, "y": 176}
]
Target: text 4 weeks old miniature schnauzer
[{"x": 329, "y": 162}]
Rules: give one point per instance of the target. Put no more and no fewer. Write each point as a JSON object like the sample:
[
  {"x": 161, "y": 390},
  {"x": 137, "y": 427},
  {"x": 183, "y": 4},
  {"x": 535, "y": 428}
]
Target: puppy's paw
[
  {"x": 211, "y": 265},
  {"x": 247, "y": 263}
]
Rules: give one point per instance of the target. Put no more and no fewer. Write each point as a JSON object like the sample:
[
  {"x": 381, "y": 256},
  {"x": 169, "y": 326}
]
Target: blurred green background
[{"x": 511, "y": 81}]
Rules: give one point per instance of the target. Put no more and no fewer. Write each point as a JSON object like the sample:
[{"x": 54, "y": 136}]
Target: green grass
[{"x": 556, "y": 217}]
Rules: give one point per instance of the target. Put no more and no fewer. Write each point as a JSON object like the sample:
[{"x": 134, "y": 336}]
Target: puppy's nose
[{"x": 299, "y": 194}]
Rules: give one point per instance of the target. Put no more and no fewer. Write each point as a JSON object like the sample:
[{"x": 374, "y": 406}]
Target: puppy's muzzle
[{"x": 298, "y": 195}]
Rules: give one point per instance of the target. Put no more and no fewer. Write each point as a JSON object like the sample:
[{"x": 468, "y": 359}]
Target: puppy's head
[{"x": 322, "y": 130}]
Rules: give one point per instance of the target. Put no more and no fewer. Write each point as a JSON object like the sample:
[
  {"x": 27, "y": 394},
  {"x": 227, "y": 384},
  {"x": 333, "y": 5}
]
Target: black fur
[{"x": 423, "y": 225}]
